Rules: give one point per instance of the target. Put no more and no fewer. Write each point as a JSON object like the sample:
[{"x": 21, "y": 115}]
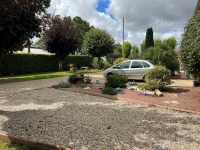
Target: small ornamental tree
[
  {"x": 126, "y": 49},
  {"x": 98, "y": 43},
  {"x": 60, "y": 37},
  {"x": 190, "y": 47}
]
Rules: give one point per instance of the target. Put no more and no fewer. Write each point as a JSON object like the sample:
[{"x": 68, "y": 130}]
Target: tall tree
[
  {"x": 190, "y": 47},
  {"x": 60, "y": 36},
  {"x": 98, "y": 43},
  {"x": 19, "y": 21},
  {"x": 149, "y": 41},
  {"x": 126, "y": 49},
  {"x": 83, "y": 27}
]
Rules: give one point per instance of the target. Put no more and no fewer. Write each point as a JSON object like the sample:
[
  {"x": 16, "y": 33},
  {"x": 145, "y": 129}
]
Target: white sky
[{"x": 166, "y": 17}]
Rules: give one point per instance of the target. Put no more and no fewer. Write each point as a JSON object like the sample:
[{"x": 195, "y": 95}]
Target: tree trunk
[
  {"x": 99, "y": 63},
  {"x": 60, "y": 65},
  {"x": 29, "y": 47}
]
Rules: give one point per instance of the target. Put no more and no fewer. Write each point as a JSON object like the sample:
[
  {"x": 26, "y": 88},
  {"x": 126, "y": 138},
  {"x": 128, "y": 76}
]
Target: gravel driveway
[{"x": 32, "y": 110}]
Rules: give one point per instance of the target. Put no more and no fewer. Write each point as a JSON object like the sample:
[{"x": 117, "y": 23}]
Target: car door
[
  {"x": 124, "y": 68},
  {"x": 137, "y": 70}
]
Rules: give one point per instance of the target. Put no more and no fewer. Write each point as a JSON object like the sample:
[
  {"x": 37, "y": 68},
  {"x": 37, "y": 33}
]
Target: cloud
[{"x": 166, "y": 17}]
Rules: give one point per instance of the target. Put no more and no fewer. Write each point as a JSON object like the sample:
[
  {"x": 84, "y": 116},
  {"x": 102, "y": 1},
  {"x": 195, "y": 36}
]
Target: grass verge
[
  {"x": 9, "y": 146},
  {"x": 36, "y": 76}
]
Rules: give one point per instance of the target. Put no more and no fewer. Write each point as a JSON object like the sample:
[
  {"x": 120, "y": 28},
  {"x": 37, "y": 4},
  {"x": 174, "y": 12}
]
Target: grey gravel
[{"x": 34, "y": 111}]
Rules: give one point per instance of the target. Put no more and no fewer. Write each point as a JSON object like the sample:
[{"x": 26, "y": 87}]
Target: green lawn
[
  {"x": 36, "y": 76},
  {"x": 9, "y": 146}
]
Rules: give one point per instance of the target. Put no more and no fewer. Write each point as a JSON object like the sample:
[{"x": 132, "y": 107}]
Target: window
[
  {"x": 136, "y": 64},
  {"x": 145, "y": 65},
  {"x": 125, "y": 65}
]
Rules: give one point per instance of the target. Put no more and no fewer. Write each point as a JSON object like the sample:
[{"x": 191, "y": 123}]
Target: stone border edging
[
  {"x": 132, "y": 100},
  {"x": 30, "y": 143}
]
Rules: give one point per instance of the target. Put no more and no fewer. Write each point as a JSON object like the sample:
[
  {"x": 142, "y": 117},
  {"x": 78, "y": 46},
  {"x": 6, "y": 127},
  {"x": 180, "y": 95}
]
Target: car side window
[
  {"x": 136, "y": 64},
  {"x": 125, "y": 65},
  {"x": 145, "y": 65}
]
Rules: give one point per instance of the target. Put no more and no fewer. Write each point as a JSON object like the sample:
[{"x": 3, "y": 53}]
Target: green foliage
[
  {"x": 144, "y": 86},
  {"x": 71, "y": 78},
  {"x": 98, "y": 43},
  {"x": 40, "y": 42},
  {"x": 81, "y": 85},
  {"x": 82, "y": 28},
  {"x": 12, "y": 146},
  {"x": 149, "y": 42},
  {"x": 61, "y": 84},
  {"x": 158, "y": 77},
  {"x": 135, "y": 49},
  {"x": 88, "y": 79},
  {"x": 109, "y": 91},
  {"x": 116, "y": 54},
  {"x": 142, "y": 46},
  {"x": 27, "y": 63},
  {"x": 116, "y": 81},
  {"x": 95, "y": 63},
  {"x": 163, "y": 53},
  {"x": 118, "y": 60},
  {"x": 19, "y": 21},
  {"x": 79, "y": 60},
  {"x": 60, "y": 37},
  {"x": 190, "y": 48},
  {"x": 106, "y": 65},
  {"x": 132, "y": 83},
  {"x": 126, "y": 49},
  {"x": 33, "y": 63},
  {"x": 156, "y": 84}
]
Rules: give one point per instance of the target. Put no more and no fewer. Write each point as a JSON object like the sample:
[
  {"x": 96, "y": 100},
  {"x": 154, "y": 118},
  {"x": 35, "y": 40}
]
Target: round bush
[
  {"x": 116, "y": 80},
  {"x": 158, "y": 77},
  {"x": 109, "y": 91}
]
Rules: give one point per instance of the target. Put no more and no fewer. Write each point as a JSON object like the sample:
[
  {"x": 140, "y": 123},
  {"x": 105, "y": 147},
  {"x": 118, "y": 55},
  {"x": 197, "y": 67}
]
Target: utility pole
[{"x": 123, "y": 32}]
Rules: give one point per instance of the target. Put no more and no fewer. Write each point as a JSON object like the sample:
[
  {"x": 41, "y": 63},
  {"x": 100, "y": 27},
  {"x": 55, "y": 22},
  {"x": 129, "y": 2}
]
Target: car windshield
[{"x": 117, "y": 65}]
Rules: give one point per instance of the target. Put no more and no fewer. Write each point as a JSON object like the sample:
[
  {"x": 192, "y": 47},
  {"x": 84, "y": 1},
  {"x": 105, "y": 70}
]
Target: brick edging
[
  {"x": 30, "y": 143},
  {"x": 132, "y": 100}
]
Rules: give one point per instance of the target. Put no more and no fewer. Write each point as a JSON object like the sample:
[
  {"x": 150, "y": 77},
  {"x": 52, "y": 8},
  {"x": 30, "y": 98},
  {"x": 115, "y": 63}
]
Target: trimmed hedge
[
  {"x": 79, "y": 60},
  {"x": 34, "y": 63}
]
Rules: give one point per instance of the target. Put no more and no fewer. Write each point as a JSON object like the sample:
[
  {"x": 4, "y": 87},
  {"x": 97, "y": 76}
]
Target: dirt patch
[{"x": 174, "y": 97}]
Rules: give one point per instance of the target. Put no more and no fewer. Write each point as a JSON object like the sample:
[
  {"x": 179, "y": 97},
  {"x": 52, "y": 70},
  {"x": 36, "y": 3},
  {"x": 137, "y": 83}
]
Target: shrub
[
  {"x": 190, "y": 49},
  {"x": 61, "y": 84},
  {"x": 118, "y": 60},
  {"x": 88, "y": 79},
  {"x": 106, "y": 65},
  {"x": 81, "y": 85},
  {"x": 109, "y": 91},
  {"x": 144, "y": 86},
  {"x": 116, "y": 80},
  {"x": 158, "y": 77},
  {"x": 71, "y": 78}
]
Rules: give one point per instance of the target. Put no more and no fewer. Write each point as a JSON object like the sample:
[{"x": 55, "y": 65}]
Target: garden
[{"x": 156, "y": 91}]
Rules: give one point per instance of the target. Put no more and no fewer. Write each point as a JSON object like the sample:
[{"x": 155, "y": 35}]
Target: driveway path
[{"x": 34, "y": 111}]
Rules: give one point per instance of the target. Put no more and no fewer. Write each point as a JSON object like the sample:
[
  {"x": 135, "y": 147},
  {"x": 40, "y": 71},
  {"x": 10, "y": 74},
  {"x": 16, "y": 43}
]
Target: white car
[{"x": 133, "y": 69}]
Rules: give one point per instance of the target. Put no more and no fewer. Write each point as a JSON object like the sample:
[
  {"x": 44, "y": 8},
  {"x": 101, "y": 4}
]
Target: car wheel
[{"x": 110, "y": 74}]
